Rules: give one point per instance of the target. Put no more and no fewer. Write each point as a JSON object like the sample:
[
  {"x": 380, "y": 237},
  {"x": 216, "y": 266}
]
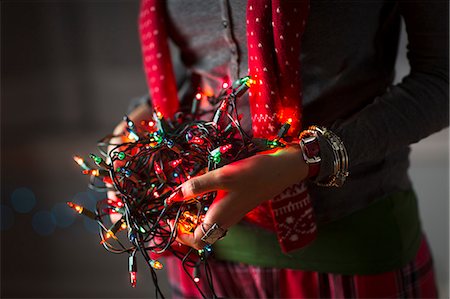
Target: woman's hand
[{"x": 242, "y": 186}]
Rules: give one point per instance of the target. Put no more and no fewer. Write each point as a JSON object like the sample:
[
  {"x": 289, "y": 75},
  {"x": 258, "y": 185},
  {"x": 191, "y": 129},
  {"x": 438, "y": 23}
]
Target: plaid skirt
[{"x": 236, "y": 280}]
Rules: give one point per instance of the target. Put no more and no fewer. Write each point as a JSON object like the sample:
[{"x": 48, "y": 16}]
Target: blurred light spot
[
  {"x": 23, "y": 200},
  {"x": 64, "y": 216},
  {"x": 43, "y": 223},
  {"x": 86, "y": 200},
  {"x": 96, "y": 195},
  {"x": 90, "y": 225},
  {"x": 7, "y": 217}
]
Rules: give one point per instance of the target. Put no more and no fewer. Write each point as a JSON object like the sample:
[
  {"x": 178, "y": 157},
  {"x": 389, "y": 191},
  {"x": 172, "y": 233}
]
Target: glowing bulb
[
  {"x": 93, "y": 172},
  {"x": 225, "y": 85},
  {"x": 81, "y": 210},
  {"x": 132, "y": 135},
  {"x": 78, "y": 160},
  {"x": 109, "y": 234},
  {"x": 123, "y": 225},
  {"x": 197, "y": 140},
  {"x": 96, "y": 159},
  {"x": 196, "y": 279},
  {"x": 157, "y": 167},
  {"x": 156, "y": 265},
  {"x": 77, "y": 208},
  {"x": 151, "y": 123},
  {"x": 175, "y": 163},
  {"x": 289, "y": 121},
  {"x": 121, "y": 155},
  {"x": 225, "y": 148},
  {"x": 198, "y": 96},
  {"x": 250, "y": 82},
  {"x": 159, "y": 115},
  {"x": 133, "y": 279}
]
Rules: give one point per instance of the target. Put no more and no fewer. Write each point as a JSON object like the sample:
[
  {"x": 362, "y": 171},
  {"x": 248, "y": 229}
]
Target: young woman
[{"x": 355, "y": 232}]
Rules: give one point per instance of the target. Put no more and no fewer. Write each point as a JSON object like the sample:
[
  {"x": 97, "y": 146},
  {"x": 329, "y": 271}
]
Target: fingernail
[{"x": 177, "y": 195}]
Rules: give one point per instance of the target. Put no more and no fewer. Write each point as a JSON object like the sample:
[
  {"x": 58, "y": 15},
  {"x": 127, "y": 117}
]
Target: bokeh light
[
  {"x": 44, "y": 223},
  {"x": 23, "y": 200},
  {"x": 63, "y": 215},
  {"x": 90, "y": 225}
]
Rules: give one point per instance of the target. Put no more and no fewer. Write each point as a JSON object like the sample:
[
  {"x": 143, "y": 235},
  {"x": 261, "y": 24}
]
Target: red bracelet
[{"x": 309, "y": 145}]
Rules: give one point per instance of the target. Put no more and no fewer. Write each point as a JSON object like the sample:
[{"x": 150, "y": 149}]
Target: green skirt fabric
[{"x": 382, "y": 237}]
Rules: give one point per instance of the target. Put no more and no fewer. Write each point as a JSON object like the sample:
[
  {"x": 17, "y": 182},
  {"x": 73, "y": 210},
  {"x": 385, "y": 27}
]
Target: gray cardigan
[{"x": 348, "y": 56}]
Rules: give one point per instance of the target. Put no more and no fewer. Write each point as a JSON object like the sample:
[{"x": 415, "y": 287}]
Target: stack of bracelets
[{"x": 340, "y": 157}]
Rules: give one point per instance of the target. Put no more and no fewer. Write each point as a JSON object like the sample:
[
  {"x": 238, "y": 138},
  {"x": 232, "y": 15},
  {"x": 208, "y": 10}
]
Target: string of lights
[{"x": 153, "y": 159}]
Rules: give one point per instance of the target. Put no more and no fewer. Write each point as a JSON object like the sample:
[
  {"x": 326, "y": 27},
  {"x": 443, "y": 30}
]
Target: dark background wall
[{"x": 68, "y": 72}]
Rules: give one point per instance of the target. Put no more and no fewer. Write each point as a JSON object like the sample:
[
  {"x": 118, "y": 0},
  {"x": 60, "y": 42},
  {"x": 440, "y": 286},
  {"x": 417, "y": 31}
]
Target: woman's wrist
[{"x": 292, "y": 162}]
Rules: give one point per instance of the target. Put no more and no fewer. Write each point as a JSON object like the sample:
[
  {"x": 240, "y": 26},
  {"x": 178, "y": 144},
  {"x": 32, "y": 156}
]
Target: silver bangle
[{"x": 340, "y": 161}]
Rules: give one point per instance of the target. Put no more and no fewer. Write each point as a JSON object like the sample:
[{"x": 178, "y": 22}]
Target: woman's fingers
[
  {"x": 192, "y": 239},
  {"x": 225, "y": 212},
  {"x": 194, "y": 187},
  {"x": 228, "y": 209}
]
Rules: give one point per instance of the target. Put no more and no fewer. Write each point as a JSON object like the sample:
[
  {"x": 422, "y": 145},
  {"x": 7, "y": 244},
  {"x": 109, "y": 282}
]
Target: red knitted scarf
[{"x": 274, "y": 29}]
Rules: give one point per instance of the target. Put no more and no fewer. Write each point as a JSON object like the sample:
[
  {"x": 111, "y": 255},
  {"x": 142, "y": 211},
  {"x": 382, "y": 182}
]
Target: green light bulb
[
  {"x": 217, "y": 158},
  {"x": 157, "y": 137},
  {"x": 96, "y": 159},
  {"x": 121, "y": 155},
  {"x": 245, "y": 79}
]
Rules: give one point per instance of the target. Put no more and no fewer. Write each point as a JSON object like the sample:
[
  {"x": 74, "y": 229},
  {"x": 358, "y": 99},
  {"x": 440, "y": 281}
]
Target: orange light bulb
[
  {"x": 156, "y": 264},
  {"x": 77, "y": 208},
  {"x": 78, "y": 160}
]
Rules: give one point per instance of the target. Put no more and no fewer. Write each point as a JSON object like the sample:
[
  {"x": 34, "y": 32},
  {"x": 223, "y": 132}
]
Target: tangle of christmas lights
[{"x": 156, "y": 157}]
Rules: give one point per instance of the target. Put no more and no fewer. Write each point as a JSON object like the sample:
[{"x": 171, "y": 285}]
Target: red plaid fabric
[{"x": 234, "y": 280}]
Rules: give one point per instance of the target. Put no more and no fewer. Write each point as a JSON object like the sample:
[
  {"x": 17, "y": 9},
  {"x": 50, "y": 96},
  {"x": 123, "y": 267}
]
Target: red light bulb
[
  {"x": 225, "y": 148},
  {"x": 158, "y": 169},
  {"x": 175, "y": 163},
  {"x": 197, "y": 140},
  {"x": 133, "y": 279}
]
